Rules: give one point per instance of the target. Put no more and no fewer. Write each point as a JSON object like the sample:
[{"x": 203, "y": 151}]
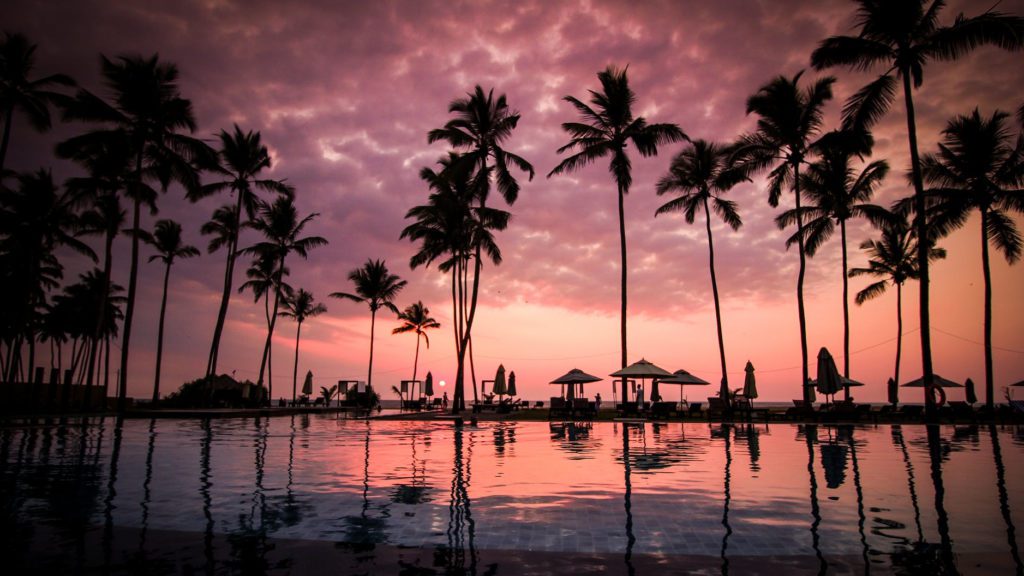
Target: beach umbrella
[
  {"x": 749, "y": 383},
  {"x": 683, "y": 378},
  {"x": 575, "y": 376},
  {"x": 938, "y": 380},
  {"x": 307, "y": 384},
  {"x": 512, "y": 383},
  {"x": 428, "y": 386},
  {"x": 894, "y": 392},
  {"x": 829, "y": 381},
  {"x": 971, "y": 397},
  {"x": 1016, "y": 385},
  {"x": 642, "y": 369},
  {"x": 499, "y": 386}
]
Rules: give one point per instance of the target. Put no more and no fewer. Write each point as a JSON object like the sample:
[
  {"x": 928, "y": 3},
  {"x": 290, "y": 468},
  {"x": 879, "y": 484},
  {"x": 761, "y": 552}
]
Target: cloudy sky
[{"x": 344, "y": 94}]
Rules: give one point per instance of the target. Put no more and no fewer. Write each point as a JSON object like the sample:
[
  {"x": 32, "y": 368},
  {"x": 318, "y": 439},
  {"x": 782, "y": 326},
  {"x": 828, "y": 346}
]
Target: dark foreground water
[{"x": 318, "y": 495}]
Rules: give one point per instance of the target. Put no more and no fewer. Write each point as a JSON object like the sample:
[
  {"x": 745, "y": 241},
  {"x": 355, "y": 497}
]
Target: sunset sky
[{"x": 344, "y": 94}]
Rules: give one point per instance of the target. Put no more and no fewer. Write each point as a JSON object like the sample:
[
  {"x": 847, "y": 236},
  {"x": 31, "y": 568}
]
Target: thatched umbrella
[
  {"x": 642, "y": 369},
  {"x": 573, "y": 377},
  {"x": 683, "y": 378}
]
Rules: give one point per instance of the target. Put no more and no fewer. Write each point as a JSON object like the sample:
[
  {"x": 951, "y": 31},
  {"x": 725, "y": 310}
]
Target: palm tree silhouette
[
  {"x": 300, "y": 306},
  {"x": 378, "y": 287},
  {"x": 789, "y": 119},
  {"x": 837, "y": 192},
  {"x": 265, "y": 279},
  {"x": 702, "y": 173},
  {"x": 893, "y": 258},
  {"x": 242, "y": 157},
  {"x": 166, "y": 239},
  {"x": 148, "y": 113},
  {"x": 480, "y": 126},
  {"x": 903, "y": 37},
  {"x": 449, "y": 228},
  {"x": 17, "y": 92},
  {"x": 37, "y": 219},
  {"x": 279, "y": 222},
  {"x": 416, "y": 318},
  {"x": 607, "y": 129},
  {"x": 979, "y": 167}
]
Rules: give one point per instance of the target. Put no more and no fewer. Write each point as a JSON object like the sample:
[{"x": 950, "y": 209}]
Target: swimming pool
[{"x": 310, "y": 493}]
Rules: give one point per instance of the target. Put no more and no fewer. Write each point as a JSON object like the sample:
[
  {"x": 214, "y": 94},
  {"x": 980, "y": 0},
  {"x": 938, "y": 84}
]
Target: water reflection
[
  {"x": 575, "y": 438},
  {"x": 365, "y": 529},
  {"x": 460, "y": 554},
  {"x": 723, "y": 432},
  {"x": 627, "y": 499},
  {"x": 1004, "y": 499},
  {"x": 810, "y": 434}
]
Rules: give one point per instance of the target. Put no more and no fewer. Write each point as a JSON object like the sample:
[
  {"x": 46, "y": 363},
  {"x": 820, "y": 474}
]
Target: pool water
[{"x": 310, "y": 493}]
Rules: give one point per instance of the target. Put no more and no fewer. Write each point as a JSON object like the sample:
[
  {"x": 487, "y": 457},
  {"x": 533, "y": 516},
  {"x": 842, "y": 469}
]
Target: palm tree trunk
[
  {"x": 724, "y": 388},
  {"x": 369, "y": 372},
  {"x": 899, "y": 329},
  {"x": 133, "y": 276},
  {"x": 416, "y": 361},
  {"x": 225, "y": 298},
  {"x": 622, "y": 247},
  {"x": 923, "y": 248},
  {"x": 101, "y": 314},
  {"x": 160, "y": 335},
  {"x": 846, "y": 312},
  {"x": 800, "y": 286},
  {"x": 295, "y": 370},
  {"x": 8, "y": 116},
  {"x": 989, "y": 386}
]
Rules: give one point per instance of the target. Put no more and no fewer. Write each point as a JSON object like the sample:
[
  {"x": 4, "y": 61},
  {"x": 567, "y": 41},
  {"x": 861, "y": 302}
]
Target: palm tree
[
  {"x": 264, "y": 280},
  {"x": 904, "y": 36},
  {"x": 18, "y": 92},
  {"x": 449, "y": 228},
  {"x": 789, "y": 119},
  {"x": 836, "y": 193},
  {"x": 893, "y": 258},
  {"x": 980, "y": 166},
  {"x": 607, "y": 129},
  {"x": 702, "y": 173},
  {"x": 416, "y": 318},
  {"x": 480, "y": 127},
  {"x": 300, "y": 306},
  {"x": 166, "y": 239},
  {"x": 148, "y": 113},
  {"x": 378, "y": 287},
  {"x": 242, "y": 157},
  {"x": 279, "y": 222}
]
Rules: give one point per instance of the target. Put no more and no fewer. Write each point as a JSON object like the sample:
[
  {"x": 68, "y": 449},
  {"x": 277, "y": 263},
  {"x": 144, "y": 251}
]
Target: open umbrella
[
  {"x": 499, "y": 386},
  {"x": 971, "y": 397},
  {"x": 307, "y": 384},
  {"x": 428, "y": 387},
  {"x": 573, "y": 377},
  {"x": 512, "y": 383},
  {"x": 684, "y": 378},
  {"x": 641, "y": 369},
  {"x": 829, "y": 381},
  {"x": 1016, "y": 385},
  {"x": 938, "y": 380},
  {"x": 749, "y": 383},
  {"x": 894, "y": 392}
]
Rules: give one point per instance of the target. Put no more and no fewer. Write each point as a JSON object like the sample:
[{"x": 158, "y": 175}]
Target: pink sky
[{"x": 344, "y": 94}]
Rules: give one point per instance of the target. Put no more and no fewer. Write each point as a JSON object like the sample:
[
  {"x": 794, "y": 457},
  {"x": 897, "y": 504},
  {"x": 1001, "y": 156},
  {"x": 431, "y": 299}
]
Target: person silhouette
[
  {"x": 444, "y": 401},
  {"x": 597, "y": 401}
]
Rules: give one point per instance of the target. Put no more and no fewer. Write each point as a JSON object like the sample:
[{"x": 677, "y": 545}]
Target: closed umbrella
[
  {"x": 499, "y": 386},
  {"x": 829, "y": 381},
  {"x": 971, "y": 397},
  {"x": 307, "y": 384},
  {"x": 512, "y": 384},
  {"x": 894, "y": 392},
  {"x": 428, "y": 387},
  {"x": 749, "y": 383}
]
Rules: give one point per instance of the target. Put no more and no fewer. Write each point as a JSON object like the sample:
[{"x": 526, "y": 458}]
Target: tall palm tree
[
  {"x": 18, "y": 92},
  {"x": 416, "y": 318},
  {"x": 903, "y": 36},
  {"x": 264, "y": 280},
  {"x": 478, "y": 131},
  {"x": 149, "y": 114},
  {"x": 702, "y": 173},
  {"x": 837, "y": 193},
  {"x": 449, "y": 228},
  {"x": 166, "y": 239},
  {"x": 893, "y": 258},
  {"x": 789, "y": 119},
  {"x": 242, "y": 157},
  {"x": 280, "y": 224},
  {"x": 980, "y": 166},
  {"x": 608, "y": 127},
  {"x": 300, "y": 306},
  {"x": 378, "y": 288}
]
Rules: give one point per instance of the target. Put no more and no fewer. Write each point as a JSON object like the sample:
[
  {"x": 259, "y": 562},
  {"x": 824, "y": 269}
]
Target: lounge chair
[
  {"x": 628, "y": 409},
  {"x": 662, "y": 410},
  {"x": 695, "y": 410},
  {"x": 961, "y": 411},
  {"x": 716, "y": 407},
  {"x": 558, "y": 407},
  {"x": 539, "y": 404},
  {"x": 801, "y": 410}
]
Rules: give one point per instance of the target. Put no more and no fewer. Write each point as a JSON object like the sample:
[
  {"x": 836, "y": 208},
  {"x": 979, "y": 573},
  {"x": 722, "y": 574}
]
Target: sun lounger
[
  {"x": 802, "y": 411},
  {"x": 662, "y": 410},
  {"x": 716, "y": 407},
  {"x": 694, "y": 410}
]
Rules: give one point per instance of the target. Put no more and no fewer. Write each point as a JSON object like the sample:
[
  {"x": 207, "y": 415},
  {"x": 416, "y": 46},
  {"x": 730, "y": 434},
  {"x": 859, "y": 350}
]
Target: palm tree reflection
[
  {"x": 724, "y": 433},
  {"x": 1004, "y": 501},
  {"x": 810, "y": 432},
  {"x": 204, "y": 491},
  {"x": 461, "y": 530},
  {"x": 627, "y": 499}
]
